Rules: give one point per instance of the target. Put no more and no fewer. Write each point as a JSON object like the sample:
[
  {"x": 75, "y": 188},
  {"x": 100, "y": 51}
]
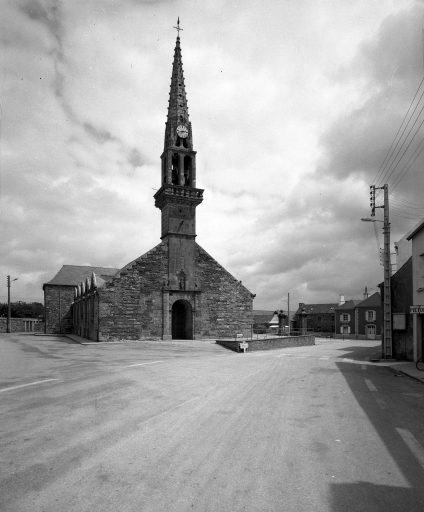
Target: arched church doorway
[{"x": 182, "y": 320}]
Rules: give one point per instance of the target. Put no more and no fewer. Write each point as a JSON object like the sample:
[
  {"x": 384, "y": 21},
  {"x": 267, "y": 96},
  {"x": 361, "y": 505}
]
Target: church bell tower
[{"x": 178, "y": 196}]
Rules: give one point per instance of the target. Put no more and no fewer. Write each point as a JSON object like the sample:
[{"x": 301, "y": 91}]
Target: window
[
  {"x": 345, "y": 329},
  {"x": 319, "y": 319},
  {"x": 370, "y": 315},
  {"x": 345, "y": 317},
  {"x": 421, "y": 272}
]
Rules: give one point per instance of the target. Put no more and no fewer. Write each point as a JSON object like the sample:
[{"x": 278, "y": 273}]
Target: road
[{"x": 182, "y": 426}]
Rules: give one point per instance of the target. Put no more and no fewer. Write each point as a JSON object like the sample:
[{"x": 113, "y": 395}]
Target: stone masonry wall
[
  {"x": 269, "y": 343},
  {"x": 58, "y": 313},
  {"x": 130, "y": 305},
  {"x": 18, "y": 325},
  {"x": 226, "y": 305}
]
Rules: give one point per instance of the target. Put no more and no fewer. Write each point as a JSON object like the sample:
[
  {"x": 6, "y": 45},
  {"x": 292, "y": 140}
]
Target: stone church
[{"x": 174, "y": 291}]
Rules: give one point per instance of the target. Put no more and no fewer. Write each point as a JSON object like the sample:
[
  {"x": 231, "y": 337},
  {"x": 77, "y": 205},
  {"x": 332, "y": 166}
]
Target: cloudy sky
[{"x": 294, "y": 106}]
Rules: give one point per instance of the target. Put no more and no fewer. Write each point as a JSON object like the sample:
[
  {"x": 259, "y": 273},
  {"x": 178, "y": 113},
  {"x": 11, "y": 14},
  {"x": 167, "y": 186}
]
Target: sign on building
[{"x": 416, "y": 310}]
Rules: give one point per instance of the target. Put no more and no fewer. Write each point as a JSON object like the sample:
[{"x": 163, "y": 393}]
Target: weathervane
[{"x": 178, "y": 26}]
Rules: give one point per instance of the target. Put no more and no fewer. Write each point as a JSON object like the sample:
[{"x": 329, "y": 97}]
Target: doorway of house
[
  {"x": 182, "y": 320},
  {"x": 371, "y": 332}
]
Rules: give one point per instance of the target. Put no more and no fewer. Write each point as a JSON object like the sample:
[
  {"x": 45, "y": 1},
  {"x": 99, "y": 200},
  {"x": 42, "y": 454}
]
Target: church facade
[{"x": 176, "y": 290}]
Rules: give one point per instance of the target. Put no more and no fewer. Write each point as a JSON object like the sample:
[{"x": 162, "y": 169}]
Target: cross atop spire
[{"x": 178, "y": 27}]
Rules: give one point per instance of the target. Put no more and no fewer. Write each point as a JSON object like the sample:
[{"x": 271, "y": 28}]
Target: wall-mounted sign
[{"x": 416, "y": 310}]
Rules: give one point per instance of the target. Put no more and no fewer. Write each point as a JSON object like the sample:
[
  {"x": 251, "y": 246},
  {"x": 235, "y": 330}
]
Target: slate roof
[
  {"x": 415, "y": 230},
  {"x": 350, "y": 304},
  {"x": 72, "y": 275},
  {"x": 261, "y": 316},
  {"x": 373, "y": 300},
  {"x": 314, "y": 309}
]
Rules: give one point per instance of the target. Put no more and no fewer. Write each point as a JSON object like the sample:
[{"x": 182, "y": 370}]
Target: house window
[
  {"x": 345, "y": 329},
  {"x": 319, "y": 319},
  {"x": 345, "y": 317},
  {"x": 370, "y": 316},
  {"x": 421, "y": 272}
]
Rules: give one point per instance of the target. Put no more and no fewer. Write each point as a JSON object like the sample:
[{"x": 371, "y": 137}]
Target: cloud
[{"x": 293, "y": 109}]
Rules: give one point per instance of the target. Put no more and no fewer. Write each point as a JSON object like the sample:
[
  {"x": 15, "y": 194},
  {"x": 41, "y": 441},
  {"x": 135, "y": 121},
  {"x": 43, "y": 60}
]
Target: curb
[{"x": 393, "y": 370}]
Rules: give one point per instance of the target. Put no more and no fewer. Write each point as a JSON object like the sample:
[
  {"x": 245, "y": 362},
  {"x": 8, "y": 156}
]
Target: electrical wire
[
  {"x": 404, "y": 171},
  {"x": 381, "y": 166},
  {"x": 406, "y": 138},
  {"x": 398, "y": 199}
]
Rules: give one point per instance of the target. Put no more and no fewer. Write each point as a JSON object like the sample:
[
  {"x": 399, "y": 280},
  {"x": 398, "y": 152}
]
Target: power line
[
  {"x": 404, "y": 171},
  {"x": 406, "y": 138},
  {"x": 381, "y": 166},
  {"x": 398, "y": 199},
  {"x": 401, "y": 205}
]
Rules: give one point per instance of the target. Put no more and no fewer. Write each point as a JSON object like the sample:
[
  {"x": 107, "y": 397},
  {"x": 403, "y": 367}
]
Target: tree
[{"x": 22, "y": 309}]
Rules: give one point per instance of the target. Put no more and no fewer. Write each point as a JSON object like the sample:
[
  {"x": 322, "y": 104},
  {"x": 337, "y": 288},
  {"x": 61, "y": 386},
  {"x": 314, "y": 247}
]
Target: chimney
[
  {"x": 342, "y": 300},
  {"x": 366, "y": 294}
]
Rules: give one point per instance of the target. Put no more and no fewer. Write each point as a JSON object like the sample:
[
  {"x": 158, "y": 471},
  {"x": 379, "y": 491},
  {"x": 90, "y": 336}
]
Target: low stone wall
[
  {"x": 268, "y": 343},
  {"x": 18, "y": 325},
  {"x": 355, "y": 337}
]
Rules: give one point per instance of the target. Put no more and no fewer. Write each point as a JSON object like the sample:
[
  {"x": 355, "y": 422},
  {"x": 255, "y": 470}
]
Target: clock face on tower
[{"x": 182, "y": 131}]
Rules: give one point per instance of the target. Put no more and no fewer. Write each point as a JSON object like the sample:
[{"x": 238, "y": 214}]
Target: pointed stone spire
[{"x": 177, "y": 108}]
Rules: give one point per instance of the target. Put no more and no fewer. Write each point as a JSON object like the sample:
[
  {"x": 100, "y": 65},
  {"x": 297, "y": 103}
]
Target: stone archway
[{"x": 182, "y": 320}]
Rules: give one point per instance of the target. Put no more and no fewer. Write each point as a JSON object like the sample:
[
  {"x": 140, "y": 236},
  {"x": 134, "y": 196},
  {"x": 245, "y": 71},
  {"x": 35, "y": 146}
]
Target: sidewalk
[{"x": 406, "y": 368}]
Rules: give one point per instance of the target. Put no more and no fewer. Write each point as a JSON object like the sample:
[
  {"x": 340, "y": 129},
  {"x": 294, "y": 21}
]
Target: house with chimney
[
  {"x": 345, "y": 313},
  {"x": 359, "y": 319}
]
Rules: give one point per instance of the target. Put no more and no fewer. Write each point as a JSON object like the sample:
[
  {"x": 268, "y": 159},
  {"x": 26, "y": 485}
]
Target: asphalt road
[{"x": 182, "y": 426}]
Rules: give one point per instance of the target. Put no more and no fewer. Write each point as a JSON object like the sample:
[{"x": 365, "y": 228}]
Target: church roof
[{"x": 72, "y": 275}]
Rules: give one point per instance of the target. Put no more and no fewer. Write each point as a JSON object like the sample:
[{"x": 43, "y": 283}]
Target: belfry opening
[{"x": 182, "y": 320}]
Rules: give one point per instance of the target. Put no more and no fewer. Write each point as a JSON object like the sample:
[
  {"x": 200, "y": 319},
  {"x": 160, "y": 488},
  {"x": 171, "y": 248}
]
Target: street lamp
[
  {"x": 8, "y": 303},
  {"x": 367, "y": 219}
]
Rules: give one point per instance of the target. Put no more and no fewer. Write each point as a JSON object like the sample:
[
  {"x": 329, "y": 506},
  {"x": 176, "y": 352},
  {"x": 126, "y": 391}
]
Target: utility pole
[
  {"x": 8, "y": 304},
  {"x": 387, "y": 304},
  {"x": 288, "y": 310}
]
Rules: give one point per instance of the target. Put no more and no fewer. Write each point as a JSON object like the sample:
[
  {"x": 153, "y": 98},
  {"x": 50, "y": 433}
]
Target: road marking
[
  {"x": 412, "y": 444},
  {"x": 141, "y": 364},
  {"x": 187, "y": 401},
  {"x": 324, "y": 358},
  {"x": 381, "y": 402},
  {"x": 346, "y": 360},
  {"x": 170, "y": 409},
  {"x": 370, "y": 385},
  {"x": 25, "y": 385}
]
